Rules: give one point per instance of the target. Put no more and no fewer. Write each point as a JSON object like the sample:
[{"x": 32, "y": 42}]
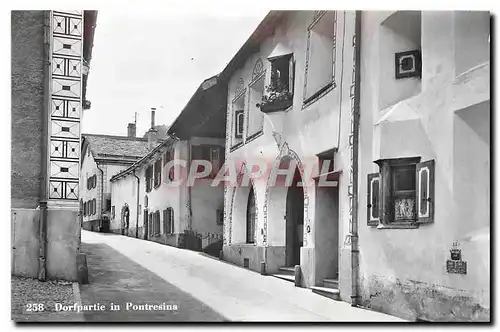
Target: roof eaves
[{"x": 141, "y": 161}]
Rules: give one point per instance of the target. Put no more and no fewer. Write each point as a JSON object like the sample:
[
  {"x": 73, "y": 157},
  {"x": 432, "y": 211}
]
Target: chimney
[
  {"x": 131, "y": 130},
  {"x": 152, "y": 131},
  {"x": 153, "y": 117}
]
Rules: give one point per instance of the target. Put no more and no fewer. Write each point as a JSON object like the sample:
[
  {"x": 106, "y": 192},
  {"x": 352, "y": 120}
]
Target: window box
[
  {"x": 276, "y": 105},
  {"x": 279, "y": 94}
]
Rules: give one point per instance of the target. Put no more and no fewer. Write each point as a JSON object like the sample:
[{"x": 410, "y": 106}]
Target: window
[
  {"x": 94, "y": 206},
  {"x": 85, "y": 209},
  {"x": 108, "y": 204},
  {"x": 282, "y": 73},
  {"x": 402, "y": 194},
  {"x": 255, "y": 118},
  {"x": 169, "y": 156},
  {"x": 321, "y": 55},
  {"x": 239, "y": 122},
  {"x": 208, "y": 153},
  {"x": 220, "y": 217},
  {"x": 279, "y": 93},
  {"x": 91, "y": 182},
  {"x": 251, "y": 217},
  {"x": 168, "y": 221},
  {"x": 150, "y": 224},
  {"x": 113, "y": 212},
  {"x": 157, "y": 173},
  {"x": 156, "y": 223},
  {"x": 238, "y": 108},
  {"x": 399, "y": 57},
  {"x": 149, "y": 178}
]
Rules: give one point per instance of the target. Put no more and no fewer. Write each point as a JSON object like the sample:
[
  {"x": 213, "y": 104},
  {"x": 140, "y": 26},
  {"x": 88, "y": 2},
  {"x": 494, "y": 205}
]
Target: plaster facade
[
  {"x": 194, "y": 208},
  {"x": 443, "y": 116},
  {"x": 103, "y": 167},
  {"x": 49, "y": 68},
  {"x": 300, "y": 133}
]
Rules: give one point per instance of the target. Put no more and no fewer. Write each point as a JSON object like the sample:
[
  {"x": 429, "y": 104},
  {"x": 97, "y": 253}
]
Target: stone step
[
  {"x": 331, "y": 283},
  {"x": 286, "y": 277},
  {"x": 328, "y": 292},
  {"x": 287, "y": 270}
]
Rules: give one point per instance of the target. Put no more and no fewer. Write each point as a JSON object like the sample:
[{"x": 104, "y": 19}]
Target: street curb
[{"x": 78, "y": 299}]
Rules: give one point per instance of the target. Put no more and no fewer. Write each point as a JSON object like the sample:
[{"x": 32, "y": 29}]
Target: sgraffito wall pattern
[{"x": 65, "y": 103}]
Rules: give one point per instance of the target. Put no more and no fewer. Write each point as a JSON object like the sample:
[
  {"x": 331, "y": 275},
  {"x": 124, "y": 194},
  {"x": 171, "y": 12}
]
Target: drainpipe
[
  {"x": 354, "y": 233},
  {"x": 42, "y": 232},
  {"x": 102, "y": 194},
  {"x": 137, "y": 217}
]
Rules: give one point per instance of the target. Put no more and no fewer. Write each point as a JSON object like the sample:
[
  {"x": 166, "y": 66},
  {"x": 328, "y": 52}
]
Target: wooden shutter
[
  {"x": 220, "y": 216},
  {"x": 239, "y": 117},
  {"x": 158, "y": 222},
  {"x": 165, "y": 230},
  {"x": 150, "y": 224},
  {"x": 215, "y": 160},
  {"x": 171, "y": 220},
  {"x": 373, "y": 199},
  {"x": 291, "y": 74},
  {"x": 425, "y": 192}
]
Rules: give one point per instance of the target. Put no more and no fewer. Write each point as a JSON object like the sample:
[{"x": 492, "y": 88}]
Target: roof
[
  {"x": 264, "y": 30},
  {"x": 139, "y": 163},
  {"x": 161, "y": 132},
  {"x": 204, "y": 114},
  {"x": 89, "y": 19},
  {"x": 116, "y": 147}
]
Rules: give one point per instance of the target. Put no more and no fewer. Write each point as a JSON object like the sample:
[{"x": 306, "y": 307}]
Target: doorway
[
  {"x": 125, "y": 219},
  {"x": 146, "y": 222},
  {"x": 294, "y": 217}
]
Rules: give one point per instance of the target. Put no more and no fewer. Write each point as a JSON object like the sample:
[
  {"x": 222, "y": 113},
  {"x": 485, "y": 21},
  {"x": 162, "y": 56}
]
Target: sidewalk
[{"x": 123, "y": 268}]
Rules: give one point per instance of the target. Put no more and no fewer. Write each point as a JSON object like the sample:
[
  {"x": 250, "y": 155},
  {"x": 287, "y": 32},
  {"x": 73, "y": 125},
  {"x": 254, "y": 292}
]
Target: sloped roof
[
  {"x": 139, "y": 163},
  {"x": 106, "y": 146},
  {"x": 161, "y": 132}
]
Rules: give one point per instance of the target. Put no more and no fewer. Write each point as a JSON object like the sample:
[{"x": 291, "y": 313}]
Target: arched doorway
[
  {"x": 285, "y": 211},
  {"x": 294, "y": 217},
  {"x": 125, "y": 219}
]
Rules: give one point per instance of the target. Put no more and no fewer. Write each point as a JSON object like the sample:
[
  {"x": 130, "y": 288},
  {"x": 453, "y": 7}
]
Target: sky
[{"x": 144, "y": 59}]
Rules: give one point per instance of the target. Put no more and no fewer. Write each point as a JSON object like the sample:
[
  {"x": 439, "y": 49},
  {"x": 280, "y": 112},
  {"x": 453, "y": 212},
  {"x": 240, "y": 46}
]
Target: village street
[{"x": 124, "y": 269}]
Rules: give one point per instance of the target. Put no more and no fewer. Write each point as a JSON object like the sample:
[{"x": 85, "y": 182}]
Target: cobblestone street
[
  {"x": 34, "y": 300},
  {"x": 123, "y": 269}
]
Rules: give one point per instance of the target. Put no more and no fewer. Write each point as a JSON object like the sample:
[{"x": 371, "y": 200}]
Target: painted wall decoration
[
  {"x": 229, "y": 219},
  {"x": 66, "y": 103},
  {"x": 286, "y": 152},
  {"x": 257, "y": 69},
  {"x": 352, "y": 119}
]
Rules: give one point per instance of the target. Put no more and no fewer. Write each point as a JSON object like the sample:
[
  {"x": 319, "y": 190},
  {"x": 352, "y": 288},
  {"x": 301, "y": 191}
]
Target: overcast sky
[{"x": 142, "y": 60}]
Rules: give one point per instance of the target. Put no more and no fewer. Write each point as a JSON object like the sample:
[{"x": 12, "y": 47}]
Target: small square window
[{"x": 402, "y": 194}]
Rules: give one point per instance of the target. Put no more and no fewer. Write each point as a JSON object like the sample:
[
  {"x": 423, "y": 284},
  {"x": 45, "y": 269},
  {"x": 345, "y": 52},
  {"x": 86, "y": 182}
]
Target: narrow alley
[{"x": 127, "y": 270}]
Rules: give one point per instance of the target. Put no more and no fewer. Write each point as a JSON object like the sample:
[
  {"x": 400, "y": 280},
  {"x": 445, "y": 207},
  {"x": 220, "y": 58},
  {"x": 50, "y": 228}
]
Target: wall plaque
[{"x": 455, "y": 264}]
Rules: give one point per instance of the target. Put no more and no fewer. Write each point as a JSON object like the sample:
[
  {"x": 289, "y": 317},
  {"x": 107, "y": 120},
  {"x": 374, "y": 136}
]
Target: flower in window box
[{"x": 276, "y": 98}]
